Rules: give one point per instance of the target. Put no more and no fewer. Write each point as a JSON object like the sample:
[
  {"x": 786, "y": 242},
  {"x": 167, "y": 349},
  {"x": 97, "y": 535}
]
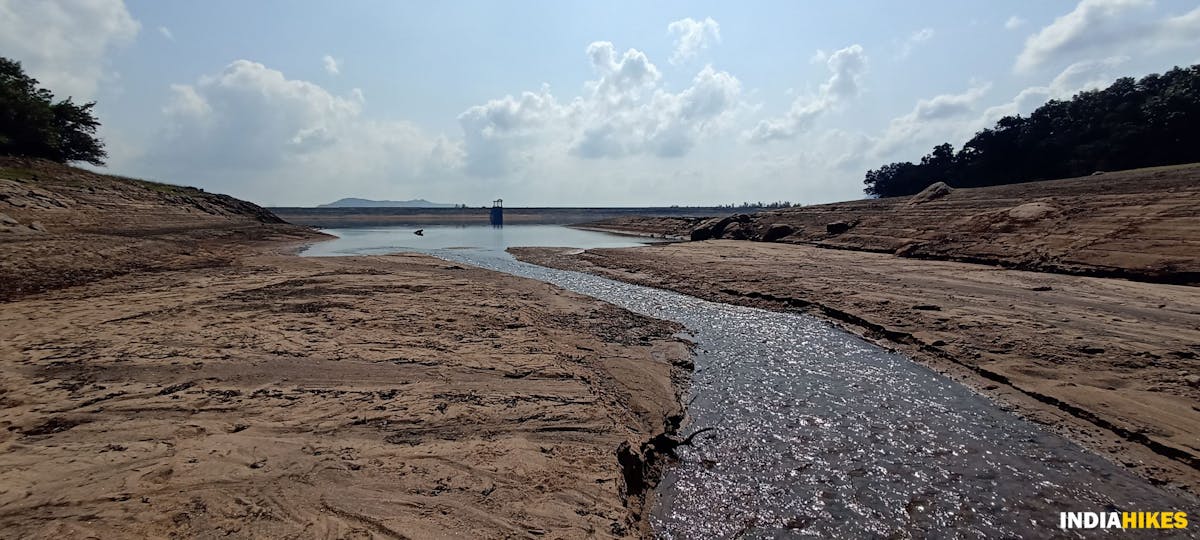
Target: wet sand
[{"x": 1107, "y": 362}]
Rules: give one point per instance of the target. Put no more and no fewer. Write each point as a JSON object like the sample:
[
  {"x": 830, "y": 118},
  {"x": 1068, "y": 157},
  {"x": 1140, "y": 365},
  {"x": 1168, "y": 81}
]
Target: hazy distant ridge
[{"x": 368, "y": 203}]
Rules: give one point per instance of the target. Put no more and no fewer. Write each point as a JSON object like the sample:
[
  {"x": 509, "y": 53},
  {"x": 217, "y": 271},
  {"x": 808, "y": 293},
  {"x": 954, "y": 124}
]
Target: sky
[{"x": 297, "y": 102}]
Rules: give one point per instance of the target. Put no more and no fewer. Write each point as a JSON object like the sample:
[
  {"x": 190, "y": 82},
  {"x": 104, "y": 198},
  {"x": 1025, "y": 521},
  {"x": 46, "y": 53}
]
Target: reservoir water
[
  {"x": 381, "y": 240},
  {"x": 817, "y": 433}
]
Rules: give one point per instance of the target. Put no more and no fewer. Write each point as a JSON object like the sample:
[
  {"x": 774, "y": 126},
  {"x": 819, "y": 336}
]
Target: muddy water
[{"x": 818, "y": 433}]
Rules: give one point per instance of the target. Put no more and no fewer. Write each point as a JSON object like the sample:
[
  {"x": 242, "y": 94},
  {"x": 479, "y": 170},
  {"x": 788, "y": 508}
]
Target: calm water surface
[
  {"x": 380, "y": 240},
  {"x": 819, "y": 433}
]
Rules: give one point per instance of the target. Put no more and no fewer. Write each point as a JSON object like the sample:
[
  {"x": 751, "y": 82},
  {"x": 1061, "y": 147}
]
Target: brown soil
[
  {"x": 1110, "y": 363},
  {"x": 238, "y": 392},
  {"x": 63, "y": 226},
  {"x": 1140, "y": 224}
]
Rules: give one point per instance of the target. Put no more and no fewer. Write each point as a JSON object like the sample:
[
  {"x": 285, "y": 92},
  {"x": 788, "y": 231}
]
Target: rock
[
  {"x": 927, "y": 307},
  {"x": 742, "y": 218},
  {"x": 907, "y": 249},
  {"x": 19, "y": 202},
  {"x": 839, "y": 227},
  {"x": 1193, "y": 380},
  {"x": 37, "y": 227},
  {"x": 737, "y": 231},
  {"x": 1032, "y": 211},
  {"x": 1042, "y": 288},
  {"x": 936, "y": 190},
  {"x": 1089, "y": 349},
  {"x": 1098, "y": 173},
  {"x": 5, "y": 219},
  {"x": 777, "y": 231},
  {"x": 710, "y": 229}
]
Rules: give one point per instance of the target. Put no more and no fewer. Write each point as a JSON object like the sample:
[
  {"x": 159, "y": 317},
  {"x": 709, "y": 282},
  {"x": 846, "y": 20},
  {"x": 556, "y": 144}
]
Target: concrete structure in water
[{"x": 497, "y": 217}]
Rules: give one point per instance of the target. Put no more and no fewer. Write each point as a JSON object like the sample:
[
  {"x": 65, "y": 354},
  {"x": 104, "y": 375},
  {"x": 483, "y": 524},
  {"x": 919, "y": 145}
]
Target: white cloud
[
  {"x": 64, "y": 44},
  {"x": 847, "y": 67},
  {"x": 1014, "y": 23},
  {"x": 932, "y": 120},
  {"x": 916, "y": 38},
  {"x": 1107, "y": 25},
  {"x": 691, "y": 36},
  {"x": 166, "y": 32},
  {"x": 1080, "y": 76},
  {"x": 252, "y": 132},
  {"x": 333, "y": 66},
  {"x": 951, "y": 118},
  {"x": 624, "y": 112}
]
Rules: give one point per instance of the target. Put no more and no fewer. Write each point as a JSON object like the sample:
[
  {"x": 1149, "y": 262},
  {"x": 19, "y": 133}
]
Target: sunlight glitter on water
[{"x": 819, "y": 433}]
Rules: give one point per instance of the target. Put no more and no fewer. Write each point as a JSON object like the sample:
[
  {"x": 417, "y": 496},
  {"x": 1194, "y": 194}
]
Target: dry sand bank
[
  {"x": 393, "y": 396},
  {"x": 1111, "y": 363},
  {"x": 1140, "y": 224},
  {"x": 164, "y": 372}
]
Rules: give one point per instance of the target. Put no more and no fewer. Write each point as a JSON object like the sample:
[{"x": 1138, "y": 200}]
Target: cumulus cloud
[
  {"x": 916, "y": 38},
  {"x": 938, "y": 118},
  {"x": 624, "y": 111},
  {"x": 1078, "y": 77},
  {"x": 948, "y": 105},
  {"x": 846, "y": 68},
  {"x": 1106, "y": 25},
  {"x": 953, "y": 117},
  {"x": 691, "y": 36},
  {"x": 64, "y": 44},
  {"x": 252, "y": 131},
  {"x": 332, "y": 65},
  {"x": 1014, "y": 23}
]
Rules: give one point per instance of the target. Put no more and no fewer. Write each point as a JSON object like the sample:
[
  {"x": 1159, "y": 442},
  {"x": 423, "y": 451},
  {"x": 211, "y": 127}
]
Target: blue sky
[{"x": 555, "y": 103}]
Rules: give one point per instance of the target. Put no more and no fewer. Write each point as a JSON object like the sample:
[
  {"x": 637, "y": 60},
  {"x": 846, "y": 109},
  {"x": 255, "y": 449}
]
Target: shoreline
[
  {"x": 170, "y": 365},
  {"x": 1146, "y": 424}
]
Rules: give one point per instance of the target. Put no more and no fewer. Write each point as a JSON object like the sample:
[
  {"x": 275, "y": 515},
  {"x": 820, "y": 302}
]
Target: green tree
[
  {"x": 1132, "y": 123},
  {"x": 33, "y": 124}
]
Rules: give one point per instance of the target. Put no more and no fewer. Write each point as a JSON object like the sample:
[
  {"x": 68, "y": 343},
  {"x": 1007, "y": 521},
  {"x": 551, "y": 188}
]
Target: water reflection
[{"x": 381, "y": 240}]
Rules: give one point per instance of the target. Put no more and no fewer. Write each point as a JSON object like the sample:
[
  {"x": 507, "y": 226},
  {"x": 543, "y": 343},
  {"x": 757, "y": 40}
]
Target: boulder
[
  {"x": 1032, "y": 211},
  {"x": 936, "y": 190},
  {"x": 738, "y": 231},
  {"x": 711, "y": 228},
  {"x": 777, "y": 231},
  {"x": 839, "y": 227}
]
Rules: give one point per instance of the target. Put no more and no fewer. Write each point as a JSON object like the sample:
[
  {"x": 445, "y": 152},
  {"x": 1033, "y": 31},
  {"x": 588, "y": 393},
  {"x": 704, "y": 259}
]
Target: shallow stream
[{"x": 819, "y": 433}]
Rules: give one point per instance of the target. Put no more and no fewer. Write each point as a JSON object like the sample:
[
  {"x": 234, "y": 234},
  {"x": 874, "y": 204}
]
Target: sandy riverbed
[
  {"x": 385, "y": 396},
  {"x": 167, "y": 370}
]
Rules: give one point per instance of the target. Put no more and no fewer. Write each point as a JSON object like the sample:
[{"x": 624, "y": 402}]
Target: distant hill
[{"x": 367, "y": 203}]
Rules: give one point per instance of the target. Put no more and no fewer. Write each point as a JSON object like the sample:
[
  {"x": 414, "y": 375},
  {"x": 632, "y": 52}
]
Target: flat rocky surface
[
  {"x": 166, "y": 370},
  {"x": 63, "y": 226},
  {"x": 390, "y": 396},
  {"x": 1140, "y": 224}
]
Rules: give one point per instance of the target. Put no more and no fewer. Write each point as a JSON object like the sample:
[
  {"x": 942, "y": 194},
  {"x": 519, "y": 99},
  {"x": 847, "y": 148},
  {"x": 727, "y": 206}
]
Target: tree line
[
  {"x": 33, "y": 123},
  {"x": 1132, "y": 123}
]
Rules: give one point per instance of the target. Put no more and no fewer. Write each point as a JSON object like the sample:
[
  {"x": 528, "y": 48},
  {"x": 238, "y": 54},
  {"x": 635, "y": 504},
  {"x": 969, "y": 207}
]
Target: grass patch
[{"x": 17, "y": 174}]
